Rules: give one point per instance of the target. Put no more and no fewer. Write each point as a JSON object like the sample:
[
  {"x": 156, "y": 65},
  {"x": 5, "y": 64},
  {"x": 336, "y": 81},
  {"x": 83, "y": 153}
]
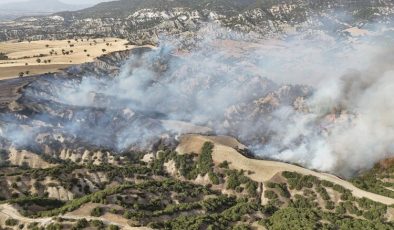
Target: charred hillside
[{"x": 45, "y": 114}]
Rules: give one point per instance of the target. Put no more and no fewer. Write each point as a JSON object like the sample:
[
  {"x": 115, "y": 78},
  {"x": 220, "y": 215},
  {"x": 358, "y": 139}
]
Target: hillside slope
[
  {"x": 225, "y": 150},
  {"x": 216, "y": 187},
  {"x": 143, "y": 21}
]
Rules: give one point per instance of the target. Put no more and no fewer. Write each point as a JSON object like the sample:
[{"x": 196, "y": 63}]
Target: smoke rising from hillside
[
  {"x": 349, "y": 126},
  {"x": 321, "y": 103}
]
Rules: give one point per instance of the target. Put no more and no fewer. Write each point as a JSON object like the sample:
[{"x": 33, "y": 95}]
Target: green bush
[
  {"x": 54, "y": 226},
  {"x": 251, "y": 188},
  {"x": 97, "y": 223},
  {"x": 224, "y": 165},
  {"x": 292, "y": 218},
  {"x": 340, "y": 210},
  {"x": 97, "y": 211},
  {"x": 11, "y": 222},
  {"x": 94, "y": 197},
  {"x": 327, "y": 183},
  {"x": 82, "y": 223},
  {"x": 113, "y": 227},
  {"x": 218, "y": 203},
  {"x": 323, "y": 193},
  {"x": 281, "y": 188},
  {"x": 233, "y": 181},
  {"x": 299, "y": 181},
  {"x": 205, "y": 162},
  {"x": 303, "y": 202},
  {"x": 330, "y": 205},
  {"x": 270, "y": 195},
  {"x": 214, "y": 178},
  {"x": 3, "y": 56}
]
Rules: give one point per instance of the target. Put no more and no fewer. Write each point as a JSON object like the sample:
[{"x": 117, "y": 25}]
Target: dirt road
[
  {"x": 263, "y": 170},
  {"x": 7, "y": 211}
]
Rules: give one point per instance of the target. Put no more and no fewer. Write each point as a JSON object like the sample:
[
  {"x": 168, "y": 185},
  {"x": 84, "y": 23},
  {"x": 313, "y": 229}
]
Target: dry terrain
[
  {"x": 38, "y": 57},
  {"x": 224, "y": 150},
  {"x": 8, "y": 211}
]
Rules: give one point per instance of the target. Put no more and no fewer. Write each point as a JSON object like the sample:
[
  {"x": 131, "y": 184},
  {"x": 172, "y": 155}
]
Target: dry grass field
[{"x": 38, "y": 57}]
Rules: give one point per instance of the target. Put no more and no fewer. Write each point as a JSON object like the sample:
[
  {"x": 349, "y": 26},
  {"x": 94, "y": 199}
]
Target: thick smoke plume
[{"x": 321, "y": 102}]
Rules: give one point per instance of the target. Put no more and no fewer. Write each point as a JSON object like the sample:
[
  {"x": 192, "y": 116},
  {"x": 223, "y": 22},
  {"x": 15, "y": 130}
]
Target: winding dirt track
[
  {"x": 8, "y": 211},
  {"x": 263, "y": 170}
]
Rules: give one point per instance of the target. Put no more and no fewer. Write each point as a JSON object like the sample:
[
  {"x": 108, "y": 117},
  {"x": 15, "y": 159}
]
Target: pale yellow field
[{"x": 44, "y": 56}]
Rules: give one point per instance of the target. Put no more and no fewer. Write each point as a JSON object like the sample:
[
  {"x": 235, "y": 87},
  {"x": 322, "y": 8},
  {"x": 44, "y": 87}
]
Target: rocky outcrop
[
  {"x": 142, "y": 22},
  {"x": 26, "y": 158}
]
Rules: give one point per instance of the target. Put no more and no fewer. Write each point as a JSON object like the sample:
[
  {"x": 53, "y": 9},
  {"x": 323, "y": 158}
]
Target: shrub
[
  {"x": 205, "y": 162},
  {"x": 97, "y": 211},
  {"x": 232, "y": 181},
  {"x": 3, "y": 56},
  {"x": 94, "y": 197},
  {"x": 330, "y": 205},
  {"x": 97, "y": 223},
  {"x": 214, "y": 178},
  {"x": 327, "y": 183},
  {"x": 32, "y": 225},
  {"x": 323, "y": 193},
  {"x": 292, "y": 218},
  {"x": 11, "y": 222},
  {"x": 224, "y": 165},
  {"x": 281, "y": 188},
  {"x": 82, "y": 223},
  {"x": 54, "y": 226},
  {"x": 251, "y": 188},
  {"x": 302, "y": 202},
  {"x": 113, "y": 227},
  {"x": 340, "y": 210},
  {"x": 270, "y": 195}
]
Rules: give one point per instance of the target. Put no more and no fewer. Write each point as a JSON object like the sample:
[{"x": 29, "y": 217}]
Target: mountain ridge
[{"x": 142, "y": 21}]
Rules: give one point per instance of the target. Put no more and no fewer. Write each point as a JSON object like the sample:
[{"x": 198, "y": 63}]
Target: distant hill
[
  {"x": 141, "y": 21},
  {"x": 36, "y": 7},
  {"x": 123, "y": 8}
]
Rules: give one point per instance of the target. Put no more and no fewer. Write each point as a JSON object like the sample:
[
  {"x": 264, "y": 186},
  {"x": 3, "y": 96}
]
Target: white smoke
[
  {"x": 350, "y": 124},
  {"x": 345, "y": 121}
]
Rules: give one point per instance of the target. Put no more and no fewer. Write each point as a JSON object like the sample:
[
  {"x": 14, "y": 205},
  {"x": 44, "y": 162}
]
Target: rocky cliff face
[{"x": 143, "y": 21}]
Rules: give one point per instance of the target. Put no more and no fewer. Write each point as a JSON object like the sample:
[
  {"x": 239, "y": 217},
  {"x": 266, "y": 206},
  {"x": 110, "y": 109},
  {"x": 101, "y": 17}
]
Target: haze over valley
[
  {"x": 214, "y": 114},
  {"x": 12, "y": 9}
]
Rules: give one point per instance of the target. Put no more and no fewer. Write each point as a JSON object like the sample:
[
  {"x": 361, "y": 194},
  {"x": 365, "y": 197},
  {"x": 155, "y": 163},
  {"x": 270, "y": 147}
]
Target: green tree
[
  {"x": 11, "y": 222},
  {"x": 97, "y": 211}
]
